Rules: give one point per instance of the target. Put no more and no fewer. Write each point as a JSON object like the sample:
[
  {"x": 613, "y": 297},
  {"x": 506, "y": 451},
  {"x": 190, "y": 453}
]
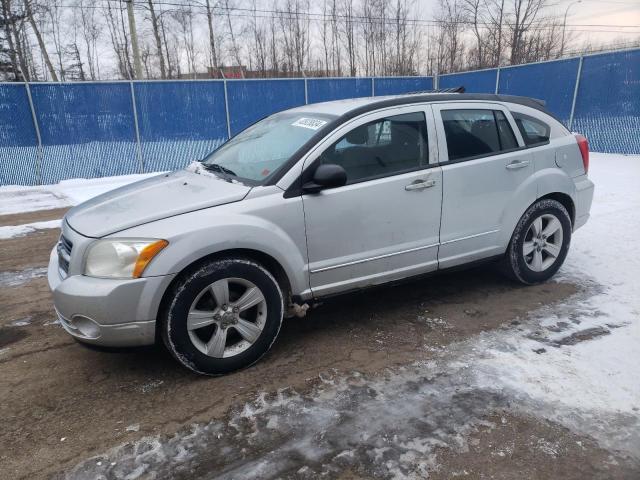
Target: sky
[{"x": 607, "y": 14}]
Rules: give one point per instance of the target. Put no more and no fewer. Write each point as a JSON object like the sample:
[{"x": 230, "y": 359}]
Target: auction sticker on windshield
[{"x": 312, "y": 123}]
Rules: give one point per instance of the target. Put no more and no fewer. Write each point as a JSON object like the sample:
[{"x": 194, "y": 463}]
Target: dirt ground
[{"x": 61, "y": 403}]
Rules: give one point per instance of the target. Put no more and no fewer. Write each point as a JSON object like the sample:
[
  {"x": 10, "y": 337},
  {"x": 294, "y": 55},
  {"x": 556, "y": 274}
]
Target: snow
[
  {"x": 603, "y": 251},
  {"x": 601, "y": 374},
  {"x": 11, "y": 231},
  {"x": 21, "y": 322},
  {"x": 576, "y": 364},
  {"x": 18, "y": 199},
  {"x": 16, "y": 278}
]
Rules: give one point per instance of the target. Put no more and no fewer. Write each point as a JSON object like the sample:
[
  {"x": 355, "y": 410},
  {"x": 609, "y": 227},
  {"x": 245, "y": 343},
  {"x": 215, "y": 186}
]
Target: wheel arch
[
  {"x": 263, "y": 259},
  {"x": 565, "y": 200},
  {"x": 561, "y": 197}
]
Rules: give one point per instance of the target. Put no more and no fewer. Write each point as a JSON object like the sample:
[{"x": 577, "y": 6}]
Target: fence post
[
  {"x": 575, "y": 92},
  {"x": 436, "y": 81},
  {"x": 373, "y": 86},
  {"x": 306, "y": 92},
  {"x": 38, "y": 137},
  {"x": 497, "y": 80},
  {"x": 135, "y": 124},
  {"x": 226, "y": 109}
]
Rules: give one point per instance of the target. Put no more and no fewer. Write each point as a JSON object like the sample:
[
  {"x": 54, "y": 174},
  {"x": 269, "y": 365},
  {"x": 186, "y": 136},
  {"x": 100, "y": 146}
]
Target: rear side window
[
  {"x": 474, "y": 133},
  {"x": 534, "y": 131}
]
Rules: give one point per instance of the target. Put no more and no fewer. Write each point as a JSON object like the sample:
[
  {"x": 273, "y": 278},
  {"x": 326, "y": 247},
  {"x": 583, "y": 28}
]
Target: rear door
[{"x": 486, "y": 175}]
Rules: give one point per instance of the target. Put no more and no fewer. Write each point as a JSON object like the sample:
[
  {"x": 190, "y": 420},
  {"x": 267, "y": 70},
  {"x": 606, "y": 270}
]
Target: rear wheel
[
  {"x": 223, "y": 316},
  {"x": 539, "y": 244}
]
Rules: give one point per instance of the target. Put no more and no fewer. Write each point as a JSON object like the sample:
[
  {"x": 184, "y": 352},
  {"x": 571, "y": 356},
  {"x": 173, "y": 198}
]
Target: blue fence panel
[
  {"x": 483, "y": 81},
  {"x": 179, "y": 121},
  {"x": 87, "y": 130},
  {"x": 608, "y": 104},
  {"x": 553, "y": 82},
  {"x": 326, "y": 89},
  {"x": 18, "y": 141},
  {"x": 397, "y": 85},
  {"x": 251, "y": 100}
]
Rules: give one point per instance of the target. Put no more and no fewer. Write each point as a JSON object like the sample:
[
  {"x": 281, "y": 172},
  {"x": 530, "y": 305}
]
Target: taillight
[{"x": 583, "y": 145}]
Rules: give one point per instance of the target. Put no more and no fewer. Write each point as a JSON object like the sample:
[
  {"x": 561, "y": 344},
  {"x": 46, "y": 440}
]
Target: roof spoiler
[
  {"x": 540, "y": 101},
  {"x": 459, "y": 89}
]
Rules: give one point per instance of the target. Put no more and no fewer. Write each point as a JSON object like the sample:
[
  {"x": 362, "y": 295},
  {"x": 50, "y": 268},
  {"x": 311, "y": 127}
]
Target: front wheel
[
  {"x": 539, "y": 244},
  {"x": 222, "y": 316}
]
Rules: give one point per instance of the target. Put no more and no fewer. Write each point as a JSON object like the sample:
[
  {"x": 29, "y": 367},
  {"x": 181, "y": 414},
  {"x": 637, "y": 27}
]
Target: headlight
[{"x": 121, "y": 258}]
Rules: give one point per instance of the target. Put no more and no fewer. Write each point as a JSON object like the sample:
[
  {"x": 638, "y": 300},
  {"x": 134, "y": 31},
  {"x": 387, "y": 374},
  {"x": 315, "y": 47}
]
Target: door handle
[
  {"x": 516, "y": 164},
  {"x": 420, "y": 185}
]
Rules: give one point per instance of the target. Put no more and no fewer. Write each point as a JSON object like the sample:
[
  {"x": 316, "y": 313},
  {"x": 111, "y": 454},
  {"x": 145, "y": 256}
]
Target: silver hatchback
[{"x": 316, "y": 201}]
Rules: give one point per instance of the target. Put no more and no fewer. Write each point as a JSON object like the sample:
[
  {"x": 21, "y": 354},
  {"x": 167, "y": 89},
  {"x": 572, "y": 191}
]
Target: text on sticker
[{"x": 312, "y": 123}]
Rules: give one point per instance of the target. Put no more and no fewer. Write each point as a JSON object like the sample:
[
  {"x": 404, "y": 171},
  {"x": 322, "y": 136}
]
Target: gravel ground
[
  {"x": 62, "y": 403},
  {"x": 462, "y": 375}
]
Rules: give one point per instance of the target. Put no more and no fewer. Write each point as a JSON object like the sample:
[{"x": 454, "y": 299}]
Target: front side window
[
  {"x": 473, "y": 133},
  {"x": 384, "y": 147},
  {"x": 257, "y": 152},
  {"x": 534, "y": 131}
]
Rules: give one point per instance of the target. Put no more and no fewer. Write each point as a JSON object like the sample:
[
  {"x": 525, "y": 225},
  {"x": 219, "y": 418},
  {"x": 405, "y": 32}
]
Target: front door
[{"x": 384, "y": 223}]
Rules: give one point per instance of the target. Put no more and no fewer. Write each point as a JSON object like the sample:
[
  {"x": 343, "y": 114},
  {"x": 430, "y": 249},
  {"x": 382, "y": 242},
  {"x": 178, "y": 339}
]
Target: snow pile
[
  {"x": 17, "y": 199},
  {"x": 12, "y": 231}
]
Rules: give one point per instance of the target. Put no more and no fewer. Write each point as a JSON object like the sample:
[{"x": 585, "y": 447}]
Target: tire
[
  {"x": 545, "y": 228},
  {"x": 212, "y": 337}
]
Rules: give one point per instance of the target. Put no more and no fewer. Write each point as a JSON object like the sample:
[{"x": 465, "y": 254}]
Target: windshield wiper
[{"x": 214, "y": 167}]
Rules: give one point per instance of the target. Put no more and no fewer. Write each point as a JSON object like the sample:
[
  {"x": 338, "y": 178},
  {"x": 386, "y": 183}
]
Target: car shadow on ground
[{"x": 382, "y": 318}]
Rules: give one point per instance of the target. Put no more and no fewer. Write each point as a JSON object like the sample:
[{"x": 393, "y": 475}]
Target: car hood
[{"x": 152, "y": 199}]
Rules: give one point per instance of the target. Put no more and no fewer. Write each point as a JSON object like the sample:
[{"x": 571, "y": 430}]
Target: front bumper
[{"x": 107, "y": 312}]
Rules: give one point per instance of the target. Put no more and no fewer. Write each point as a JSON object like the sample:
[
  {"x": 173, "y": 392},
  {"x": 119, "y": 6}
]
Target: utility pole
[
  {"x": 564, "y": 25},
  {"x": 134, "y": 40}
]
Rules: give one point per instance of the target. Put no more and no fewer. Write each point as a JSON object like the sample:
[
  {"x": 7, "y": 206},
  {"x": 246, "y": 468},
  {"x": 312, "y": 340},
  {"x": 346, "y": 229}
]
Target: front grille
[{"x": 64, "y": 254}]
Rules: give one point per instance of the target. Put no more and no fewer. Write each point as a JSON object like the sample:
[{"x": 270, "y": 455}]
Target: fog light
[{"x": 86, "y": 326}]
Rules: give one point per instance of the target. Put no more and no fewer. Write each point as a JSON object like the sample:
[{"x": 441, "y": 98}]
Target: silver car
[{"x": 315, "y": 201}]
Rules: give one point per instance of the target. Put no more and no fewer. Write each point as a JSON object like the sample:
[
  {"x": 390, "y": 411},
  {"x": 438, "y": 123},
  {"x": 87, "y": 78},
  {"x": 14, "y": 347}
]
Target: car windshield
[{"x": 257, "y": 152}]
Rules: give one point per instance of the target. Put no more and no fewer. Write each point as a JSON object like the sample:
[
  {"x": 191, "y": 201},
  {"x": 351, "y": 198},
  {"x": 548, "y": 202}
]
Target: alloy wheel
[
  {"x": 543, "y": 242},
  {"x": 227, "y": 317}
]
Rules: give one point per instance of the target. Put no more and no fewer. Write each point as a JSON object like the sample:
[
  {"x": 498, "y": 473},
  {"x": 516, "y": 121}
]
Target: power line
[
  {"x": 292, "y": 13},
  {"x": 360, "y": 20}
]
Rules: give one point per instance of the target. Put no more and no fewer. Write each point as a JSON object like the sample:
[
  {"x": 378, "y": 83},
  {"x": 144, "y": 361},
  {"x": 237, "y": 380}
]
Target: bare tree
[
  {"x": 158, "y": 40},
  {"x": 119, "y": 40},
  {"x": 258, "y": 54},
  {"x": 91, "y": 30},
  {"x": 273, "y": 46},
  {"x": 9, "y": 67},
  {"x": 451, "y": 21},
  {"x": 183, "y": 16},
  {"x": 294, "y": 26},
  {"x": 213, "y": 45},
  {"x": 58, "y": 39},
  {"x": 36, "y": 31},
  {"x": 233, "y": 47},
  {"x": 348, "y": 34},
  {"x": 523, "y": 17},
  {"x": 474, "y": 12},
  {"x": 495, "y": 13}
]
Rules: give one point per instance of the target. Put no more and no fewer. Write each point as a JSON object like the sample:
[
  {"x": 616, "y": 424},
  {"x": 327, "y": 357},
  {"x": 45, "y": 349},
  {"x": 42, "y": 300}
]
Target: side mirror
[{"x": 327, "y": 175}]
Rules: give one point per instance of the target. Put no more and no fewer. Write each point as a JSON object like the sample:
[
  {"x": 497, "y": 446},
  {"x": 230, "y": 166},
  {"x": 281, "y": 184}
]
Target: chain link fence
[{"x": 55, "y": 131}]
